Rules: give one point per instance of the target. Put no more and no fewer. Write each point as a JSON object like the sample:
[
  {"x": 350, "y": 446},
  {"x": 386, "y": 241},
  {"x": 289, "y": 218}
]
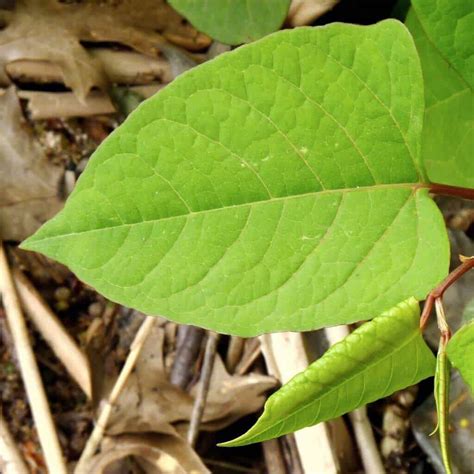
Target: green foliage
[
  {"x": 461, "y": 352},
  {"x": 234, "y": 21},
  {"x": 441, "y": 394},
  {"x": 442, "y": 30},
  {"x": 274, "y": 188},
  {"x": 382, "y": 356}
]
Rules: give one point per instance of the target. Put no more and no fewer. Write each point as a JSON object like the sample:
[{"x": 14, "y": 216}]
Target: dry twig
[
  {"x": 274, "y": 461},
  {"x": 252, "y": 351},
  {"x": 11, "y": 461},
  {"x": 203, "y": 388},
  {"x": 29, "y": 371},
  {"x": 98, "y": 432},
  {"x": 54, "y": 333},
  {"x": 234, "y": 353}
]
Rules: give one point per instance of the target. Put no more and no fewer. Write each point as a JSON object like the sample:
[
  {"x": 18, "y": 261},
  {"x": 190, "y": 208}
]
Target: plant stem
[
  {"x": 203, "y": 387},
  {"x": 466, "y": 265},
  {"x": 445, "y": 190}
]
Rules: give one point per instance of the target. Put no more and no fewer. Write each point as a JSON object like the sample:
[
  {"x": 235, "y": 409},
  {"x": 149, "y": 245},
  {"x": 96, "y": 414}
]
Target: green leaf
[
  {"x": 380, "y": 357},
  {"x": 460, "y": 351},
  {"x": 441, "y": 393},
  {"x": 275, "y": 188},
  {"x": 442, "y": 30},
  {"x": 234, "y": 21}
]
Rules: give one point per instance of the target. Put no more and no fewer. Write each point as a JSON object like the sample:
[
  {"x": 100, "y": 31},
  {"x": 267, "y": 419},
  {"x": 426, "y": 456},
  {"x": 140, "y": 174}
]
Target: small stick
[
  {"x": 234, "y": 353},
  {"x": 29, "y": 371},
  {"x": 98, "y": 432},
  {"x": 245, "y": 364},
  {"x": 291, "y": 453},
  {"x": 54, "y": 333},
  {"x": 10, "y": 458},
  {"x": 274, "y": 461},
  {"x": 466, "y": 265},
  {"x": 203, "y": 388}
]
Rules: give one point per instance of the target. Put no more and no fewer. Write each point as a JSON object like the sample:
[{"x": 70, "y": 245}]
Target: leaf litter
[
  {"x": 30, "y": 183},
  {"x": 148, "y": 425},
  {"x": 150, "y": 404},
  {"x": 55, "y": 31}
]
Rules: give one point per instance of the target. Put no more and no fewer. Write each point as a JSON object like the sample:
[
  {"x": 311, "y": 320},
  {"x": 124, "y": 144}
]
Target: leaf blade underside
[
  {"x": 272, "y": 189},
  {"x": 377, "y": 359},
  {"x": 234, "y": 21}
]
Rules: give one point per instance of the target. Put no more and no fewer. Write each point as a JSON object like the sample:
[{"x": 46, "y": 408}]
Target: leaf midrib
[
  {"x": 367, "y": 367},
  {"x": 414, "y": 186}
]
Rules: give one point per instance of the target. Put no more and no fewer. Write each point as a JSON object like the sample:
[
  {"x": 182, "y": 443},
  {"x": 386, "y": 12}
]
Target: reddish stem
[
  {"x": 438, "y": 292},
  {"x": 445, "y": 190}
]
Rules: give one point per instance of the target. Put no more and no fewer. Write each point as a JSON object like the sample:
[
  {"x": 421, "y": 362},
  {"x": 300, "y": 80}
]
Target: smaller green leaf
[
  {"x": 382, "y": 356},
  {"x": 234, "y": 21},
  {"x": 460, "y": 351},
  {"x": 441, "y": 393}
]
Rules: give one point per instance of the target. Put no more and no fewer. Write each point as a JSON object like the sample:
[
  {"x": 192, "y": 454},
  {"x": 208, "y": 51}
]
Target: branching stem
[{"x": 466, "y": 265}]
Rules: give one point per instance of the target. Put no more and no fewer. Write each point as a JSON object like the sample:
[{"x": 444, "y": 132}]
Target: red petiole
[{"x": 466, "y": 265}]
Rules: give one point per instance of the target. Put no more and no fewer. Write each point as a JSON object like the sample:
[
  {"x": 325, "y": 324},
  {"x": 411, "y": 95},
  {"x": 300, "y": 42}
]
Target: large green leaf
[
  {"x": 382, "y": 356},
  {"x": 442, "y": 30},
  {"x": 274, "y": 188},
  {"x": 461, "y": 352},
  {"x": 234, "y": 21}
]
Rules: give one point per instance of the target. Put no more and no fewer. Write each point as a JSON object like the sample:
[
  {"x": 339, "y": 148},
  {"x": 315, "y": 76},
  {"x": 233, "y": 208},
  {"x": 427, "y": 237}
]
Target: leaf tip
[
  {"x": 252, "y": 435},
  {"x": 29, "y": 243},
  {"x": 234, "y": 443}
]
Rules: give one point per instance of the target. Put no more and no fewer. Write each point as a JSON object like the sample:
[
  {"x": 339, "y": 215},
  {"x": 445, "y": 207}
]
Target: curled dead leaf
[
  {"x": 153, "y": 453},
  {"x": 53, "y": 31},
  {"x": 29, "y": 183},
  {"x": 150, "y": 403}
]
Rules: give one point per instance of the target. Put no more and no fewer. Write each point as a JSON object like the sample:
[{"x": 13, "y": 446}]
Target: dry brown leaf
[
  {"x": 149, "y": 402},
  {"x": 29, "y": 183},
  {"x": 154, "y": 453},
  {"x": 52, "y": 31}
]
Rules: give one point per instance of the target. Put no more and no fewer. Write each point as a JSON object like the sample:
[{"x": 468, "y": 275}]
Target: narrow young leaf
[
  {"x": 461, "y": 353},
  {"x": 234, "y": 21},
  {"x": 275, "y": 188},
  {"x": 442, "y": 30},
  {"x": 441, "y": 394},
  {"x": 382, "y": 356}
]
